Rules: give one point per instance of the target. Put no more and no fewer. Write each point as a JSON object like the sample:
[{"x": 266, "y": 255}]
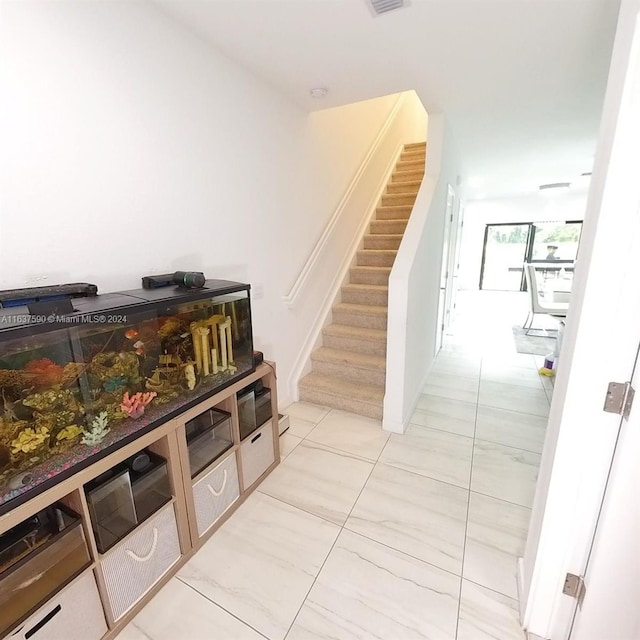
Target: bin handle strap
[
  {"x": 224, "y": 483},
  {"x": 134, "y": 556}
]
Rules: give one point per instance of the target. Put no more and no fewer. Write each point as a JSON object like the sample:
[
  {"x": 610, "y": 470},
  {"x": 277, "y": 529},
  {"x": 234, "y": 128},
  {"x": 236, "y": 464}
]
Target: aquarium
[
  {"x": 37, "y": 558},
  {"x": 125, "y": 496},
  {"x": 77, "y": 386},
  {"x": 208, "y": 437}
]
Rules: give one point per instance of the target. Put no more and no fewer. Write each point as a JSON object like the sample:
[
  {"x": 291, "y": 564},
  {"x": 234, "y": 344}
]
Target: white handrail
[{"x": 300, "y": 282}]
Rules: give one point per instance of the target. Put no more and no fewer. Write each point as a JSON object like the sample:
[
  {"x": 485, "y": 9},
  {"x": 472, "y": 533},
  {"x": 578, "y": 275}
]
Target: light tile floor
[{"x": 362, "y": 534}]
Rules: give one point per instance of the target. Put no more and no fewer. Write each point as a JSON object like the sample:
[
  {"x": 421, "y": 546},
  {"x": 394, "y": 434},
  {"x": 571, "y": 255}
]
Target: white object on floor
[{"x": 283, "y": 423}]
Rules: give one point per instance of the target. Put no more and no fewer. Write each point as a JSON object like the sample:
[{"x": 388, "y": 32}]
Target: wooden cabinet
[{"x": 119, "y": 582}]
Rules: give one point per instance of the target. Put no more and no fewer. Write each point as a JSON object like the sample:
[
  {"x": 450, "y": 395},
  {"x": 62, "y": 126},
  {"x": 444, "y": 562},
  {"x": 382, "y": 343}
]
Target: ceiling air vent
[{"x": 384, "y": 6}]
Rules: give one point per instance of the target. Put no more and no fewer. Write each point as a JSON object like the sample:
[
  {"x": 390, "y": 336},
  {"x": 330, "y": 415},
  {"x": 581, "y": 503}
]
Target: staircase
[{"x": 348, "y": 371}]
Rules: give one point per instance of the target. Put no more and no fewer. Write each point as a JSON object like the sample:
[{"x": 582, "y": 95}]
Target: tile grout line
[
  {"x": 466, "y": 524},
  {"x": 342, "y": 528},
  {"x": 453, "y": 433},
  {"x": 208, "y": 599},
  {"x": 362, "y": 535}
]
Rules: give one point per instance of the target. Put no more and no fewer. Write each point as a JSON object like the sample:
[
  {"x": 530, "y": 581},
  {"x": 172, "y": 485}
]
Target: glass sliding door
[
  {"x": 504, "y": 252},
  {"x": 555, "y": 241}
]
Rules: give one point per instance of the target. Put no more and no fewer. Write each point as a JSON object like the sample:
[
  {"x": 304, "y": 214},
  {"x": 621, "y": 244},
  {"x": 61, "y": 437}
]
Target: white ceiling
[{"x": 521, "y": 81}]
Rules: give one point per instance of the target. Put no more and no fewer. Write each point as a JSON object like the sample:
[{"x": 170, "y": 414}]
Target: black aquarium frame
[{"x": 117, "y": 303}]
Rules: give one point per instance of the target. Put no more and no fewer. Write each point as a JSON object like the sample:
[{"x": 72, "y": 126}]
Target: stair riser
[
  {"x": 358, "y": 345},
  {"x": 393, "y": 213},
  {"x": 381, "y": 242},
  {"x": 403, "y": 187},
  {"x": 373, "y": 298},
  {"x": 412, "y": 156},
  {"x": 414, "y": 146},
  {"x": 343, "y": 404},
  {"x": 410, "y": 165},
  {"x": 358, "y": 276},
  {"x": 396, "y": 199},
  {"x": 349, "y": 372},
  {"x": 398, "y": 177},
  {"x": 369, "y": 259},
  {"x": 364, "y": 321},
  {"x": 388, "y": 226}
]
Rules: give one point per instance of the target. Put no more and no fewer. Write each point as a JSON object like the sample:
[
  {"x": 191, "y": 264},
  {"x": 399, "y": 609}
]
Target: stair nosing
[
  {"x": 371, "y": 267},
  {"x": 364, "y": 309},
  {"x": 413, "y": 183},
  {"x": 366, "y": 286},
  {"x": 382, "y": 361},
  {"x": 377, "y": 335},
  {"x": 389, "y": 236}
]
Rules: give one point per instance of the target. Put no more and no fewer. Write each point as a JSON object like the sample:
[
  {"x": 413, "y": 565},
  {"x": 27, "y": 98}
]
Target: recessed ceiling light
[
  {"x": 554, "y": 185},
  {"x": 319, "y": 92}
]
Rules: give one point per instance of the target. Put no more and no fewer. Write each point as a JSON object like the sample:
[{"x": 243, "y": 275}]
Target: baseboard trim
[
  {"x": 521, "y": 601},
  {"x": 520, "y": 588},
  {"x": 401, "y": 426}
]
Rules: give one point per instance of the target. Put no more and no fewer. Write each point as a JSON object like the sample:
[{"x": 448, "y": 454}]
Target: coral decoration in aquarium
[
  {"x": 133, "y": 407},
  {"x": 73, "y": 394}
]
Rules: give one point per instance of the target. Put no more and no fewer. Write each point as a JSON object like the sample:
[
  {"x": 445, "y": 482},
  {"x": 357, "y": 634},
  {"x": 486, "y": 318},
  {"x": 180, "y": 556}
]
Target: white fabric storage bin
[
  {"x": 133, "y": 566},
  {"x": 215, "y": 492},
  {"x": 73, "y": 614},
  {"x": 257, "y": 454}
]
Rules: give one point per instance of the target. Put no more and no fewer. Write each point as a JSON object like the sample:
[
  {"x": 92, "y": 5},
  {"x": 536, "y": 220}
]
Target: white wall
[
  {"x": 598, "y": 347},
  {"x": 525, "y": 208},
  {"x": 414, "y": 283},
  {"x": 130, "y": 146}
]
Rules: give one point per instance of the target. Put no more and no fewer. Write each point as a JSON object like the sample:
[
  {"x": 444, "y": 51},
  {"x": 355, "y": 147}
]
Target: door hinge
[
  {"x": 574, "y": 586},
  {"x": 619, "y": 398}
]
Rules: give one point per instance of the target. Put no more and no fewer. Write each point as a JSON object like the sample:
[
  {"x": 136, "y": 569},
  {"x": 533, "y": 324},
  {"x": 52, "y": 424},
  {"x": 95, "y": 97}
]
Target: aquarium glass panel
[{"x": 208, "y": 437}]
